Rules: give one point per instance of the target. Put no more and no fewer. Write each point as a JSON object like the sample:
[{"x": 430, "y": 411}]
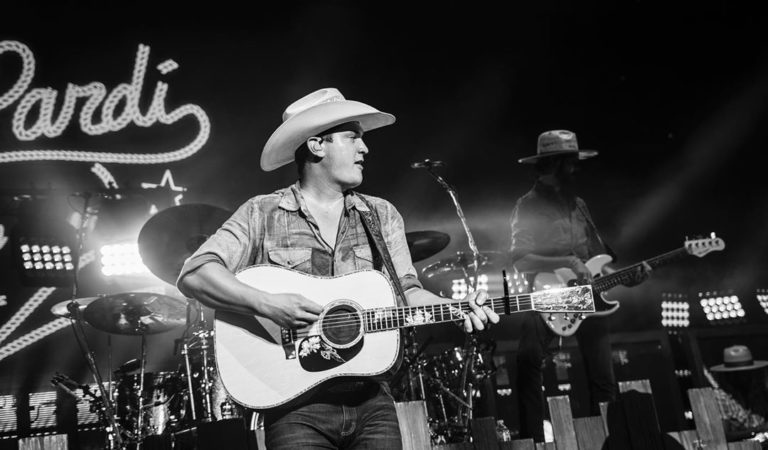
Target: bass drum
[{"x": 161, "y": 400}]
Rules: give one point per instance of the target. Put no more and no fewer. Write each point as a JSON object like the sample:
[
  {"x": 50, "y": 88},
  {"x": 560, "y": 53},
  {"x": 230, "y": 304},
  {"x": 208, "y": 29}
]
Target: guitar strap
[
  {"x": 373, "y": 227},
  {"x": 592, "y": 226}
]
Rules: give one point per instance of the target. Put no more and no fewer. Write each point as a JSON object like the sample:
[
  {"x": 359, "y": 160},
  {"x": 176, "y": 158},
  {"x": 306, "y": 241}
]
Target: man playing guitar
[
  {"x": 316, "y": 227},
  {"x": 552, "y": 229}
]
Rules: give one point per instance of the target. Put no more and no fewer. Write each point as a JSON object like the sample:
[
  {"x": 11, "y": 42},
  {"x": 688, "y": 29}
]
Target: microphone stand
[
  {"x": 113, "y": 432},
  {"x": 474, "y": 271}
]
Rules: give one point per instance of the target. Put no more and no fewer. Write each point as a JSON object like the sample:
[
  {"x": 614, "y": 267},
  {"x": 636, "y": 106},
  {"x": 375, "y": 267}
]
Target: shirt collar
[{"x": 293, "y": 200}]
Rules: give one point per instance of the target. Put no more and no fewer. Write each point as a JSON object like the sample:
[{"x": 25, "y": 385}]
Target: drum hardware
[
  {"x": 165, "y": 241},
  {"x": 142, "y": 314},
  {"x": 207, "y": 399}
]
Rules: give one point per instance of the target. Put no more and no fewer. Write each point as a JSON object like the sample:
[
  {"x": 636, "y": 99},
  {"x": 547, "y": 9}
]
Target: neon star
[{"x": 167, "y": 179}]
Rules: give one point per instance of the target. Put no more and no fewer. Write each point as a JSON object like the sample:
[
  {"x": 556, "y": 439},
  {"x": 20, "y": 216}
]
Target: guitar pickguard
[{"x": 315, "y": 355}]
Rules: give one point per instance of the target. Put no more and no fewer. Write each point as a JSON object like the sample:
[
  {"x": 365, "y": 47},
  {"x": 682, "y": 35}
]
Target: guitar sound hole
[{"x": 341, "y": 325}]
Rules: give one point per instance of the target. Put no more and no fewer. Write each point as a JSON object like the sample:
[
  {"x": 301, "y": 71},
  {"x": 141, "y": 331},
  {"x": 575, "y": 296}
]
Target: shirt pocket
[
  {"x": 363, "y": 257},
  {"x": 296, "y": 258}
]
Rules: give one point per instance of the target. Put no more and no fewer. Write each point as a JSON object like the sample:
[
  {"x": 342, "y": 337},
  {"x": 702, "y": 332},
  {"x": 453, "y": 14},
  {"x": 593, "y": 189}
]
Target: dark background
[{"x": 673, "y": 97}]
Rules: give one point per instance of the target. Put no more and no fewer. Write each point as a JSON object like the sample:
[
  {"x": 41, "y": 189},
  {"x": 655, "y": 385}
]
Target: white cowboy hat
[
  {"x": 313, "y": 114},
  {"x": 557, "y": 142},
  {"x": 738, "y": 357}
]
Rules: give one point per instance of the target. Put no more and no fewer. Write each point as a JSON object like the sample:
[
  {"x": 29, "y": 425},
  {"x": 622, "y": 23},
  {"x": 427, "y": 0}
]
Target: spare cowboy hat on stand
[{"x": 736, "y": 358}]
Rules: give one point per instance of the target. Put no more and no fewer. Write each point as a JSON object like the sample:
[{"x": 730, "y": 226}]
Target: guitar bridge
[{"x": 288, "y": 338}]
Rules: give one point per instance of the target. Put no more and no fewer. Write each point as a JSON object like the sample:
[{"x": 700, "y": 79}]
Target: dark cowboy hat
[{"x": 557, "y": 142}]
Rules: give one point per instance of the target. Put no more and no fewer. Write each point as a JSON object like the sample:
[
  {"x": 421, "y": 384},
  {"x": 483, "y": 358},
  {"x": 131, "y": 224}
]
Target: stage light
[
  {"x": 721, "y": 308},
  {"x": 518, "y": 283},
  {"x": 459, "y": 288},
  {"x": 44, "y": 245},
  {"x": 42, "y": 410},
  {"x": 7, "y": 414},
  {"x": 675, "y": 310},
  {"x": 762, "y": 299},
  {"x": 122, "y": 259}
]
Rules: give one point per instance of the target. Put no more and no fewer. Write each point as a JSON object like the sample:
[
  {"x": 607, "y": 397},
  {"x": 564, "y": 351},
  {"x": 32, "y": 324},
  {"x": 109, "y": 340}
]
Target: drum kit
[{"x": 141, "y": 408}]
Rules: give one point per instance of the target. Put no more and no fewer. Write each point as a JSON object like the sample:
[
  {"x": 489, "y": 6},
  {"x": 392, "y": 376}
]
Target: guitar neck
[
  {"x": 626, "y": 274},
  {"x": 383, "y": 319}
]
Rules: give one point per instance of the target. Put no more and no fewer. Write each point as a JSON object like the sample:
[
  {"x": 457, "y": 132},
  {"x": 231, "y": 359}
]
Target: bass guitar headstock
[{"x": 700, "y": 247}]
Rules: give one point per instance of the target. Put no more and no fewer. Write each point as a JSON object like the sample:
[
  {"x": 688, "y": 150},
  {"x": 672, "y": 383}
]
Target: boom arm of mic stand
[{"x": 463, "y": 219}]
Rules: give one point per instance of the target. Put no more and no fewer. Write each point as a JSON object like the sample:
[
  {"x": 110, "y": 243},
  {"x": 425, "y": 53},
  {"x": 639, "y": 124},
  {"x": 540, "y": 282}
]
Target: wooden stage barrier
[{"x": 629, "y": 423}]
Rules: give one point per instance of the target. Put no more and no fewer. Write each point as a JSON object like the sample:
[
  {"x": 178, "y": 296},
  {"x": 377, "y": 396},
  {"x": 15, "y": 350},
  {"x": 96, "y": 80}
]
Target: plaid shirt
[{"x": 278, "y": 229}]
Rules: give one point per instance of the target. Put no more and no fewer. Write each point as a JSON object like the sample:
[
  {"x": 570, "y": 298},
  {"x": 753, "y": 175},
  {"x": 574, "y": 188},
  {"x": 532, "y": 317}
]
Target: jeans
[
  {"x": 595, "y": 348},
  {"x": 370, "y": 424}
]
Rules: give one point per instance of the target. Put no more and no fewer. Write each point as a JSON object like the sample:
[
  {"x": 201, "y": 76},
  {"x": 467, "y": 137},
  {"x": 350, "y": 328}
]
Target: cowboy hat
[
  {"x": 557, "y": 142},
  {"x": 738, "y": 357},
  {"x": 310, "y": 116}
]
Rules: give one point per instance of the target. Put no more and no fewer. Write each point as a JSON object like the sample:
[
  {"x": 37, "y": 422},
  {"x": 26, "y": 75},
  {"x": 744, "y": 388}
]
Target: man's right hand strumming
[{"x": 290, "y": 310}]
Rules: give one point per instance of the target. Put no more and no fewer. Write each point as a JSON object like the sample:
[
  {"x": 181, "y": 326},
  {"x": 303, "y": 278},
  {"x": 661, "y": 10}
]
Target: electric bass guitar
[
  {"x": 263, "y": 365},
  {"x": 566, "y": 324}
]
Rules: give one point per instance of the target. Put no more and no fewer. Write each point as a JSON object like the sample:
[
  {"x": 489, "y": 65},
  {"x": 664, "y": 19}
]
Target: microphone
[
  {"x": 66, "y": 384},
  {"x": 426, "y": 164}
]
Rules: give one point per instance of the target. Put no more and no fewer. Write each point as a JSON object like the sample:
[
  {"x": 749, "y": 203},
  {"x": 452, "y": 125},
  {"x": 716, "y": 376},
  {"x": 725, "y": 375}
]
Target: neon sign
[{"x": 110, "y": 119}]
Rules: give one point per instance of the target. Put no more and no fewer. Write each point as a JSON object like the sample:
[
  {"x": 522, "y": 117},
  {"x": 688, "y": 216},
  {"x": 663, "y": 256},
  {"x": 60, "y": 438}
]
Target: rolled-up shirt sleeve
[
  {"x": 394, "y": 236},
  {"x": 231, "y": 245},
  {"x": 523, "y": 226}
]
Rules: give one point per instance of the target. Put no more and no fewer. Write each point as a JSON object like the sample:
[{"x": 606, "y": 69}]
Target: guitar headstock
[
  {"x": 700, "y": 247},
  {"x": 576, "y": 299}
]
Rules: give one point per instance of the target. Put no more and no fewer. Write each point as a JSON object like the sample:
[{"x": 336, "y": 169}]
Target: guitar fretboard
[
  {"x": 626, "y": 275},
  {"x": 568, "y": 300},
  {"x": 383, "y": 319}
]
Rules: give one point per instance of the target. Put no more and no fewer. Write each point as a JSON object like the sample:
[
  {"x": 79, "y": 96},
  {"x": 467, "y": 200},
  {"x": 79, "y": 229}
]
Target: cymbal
[
  {"x": 169, "y": 237},
  {"x": 462, "y": 261},
  {"x": 60, "y": 309},
  {"x": 136, "y": 313},
  {"x": 424, "y": 244}
]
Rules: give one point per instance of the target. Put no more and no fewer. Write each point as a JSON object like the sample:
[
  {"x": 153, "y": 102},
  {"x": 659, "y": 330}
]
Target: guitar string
[
  {"x": 521, "y": 302},
  {"x": 393, "y": 311},
  {"x": 346, "y": 321}
]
